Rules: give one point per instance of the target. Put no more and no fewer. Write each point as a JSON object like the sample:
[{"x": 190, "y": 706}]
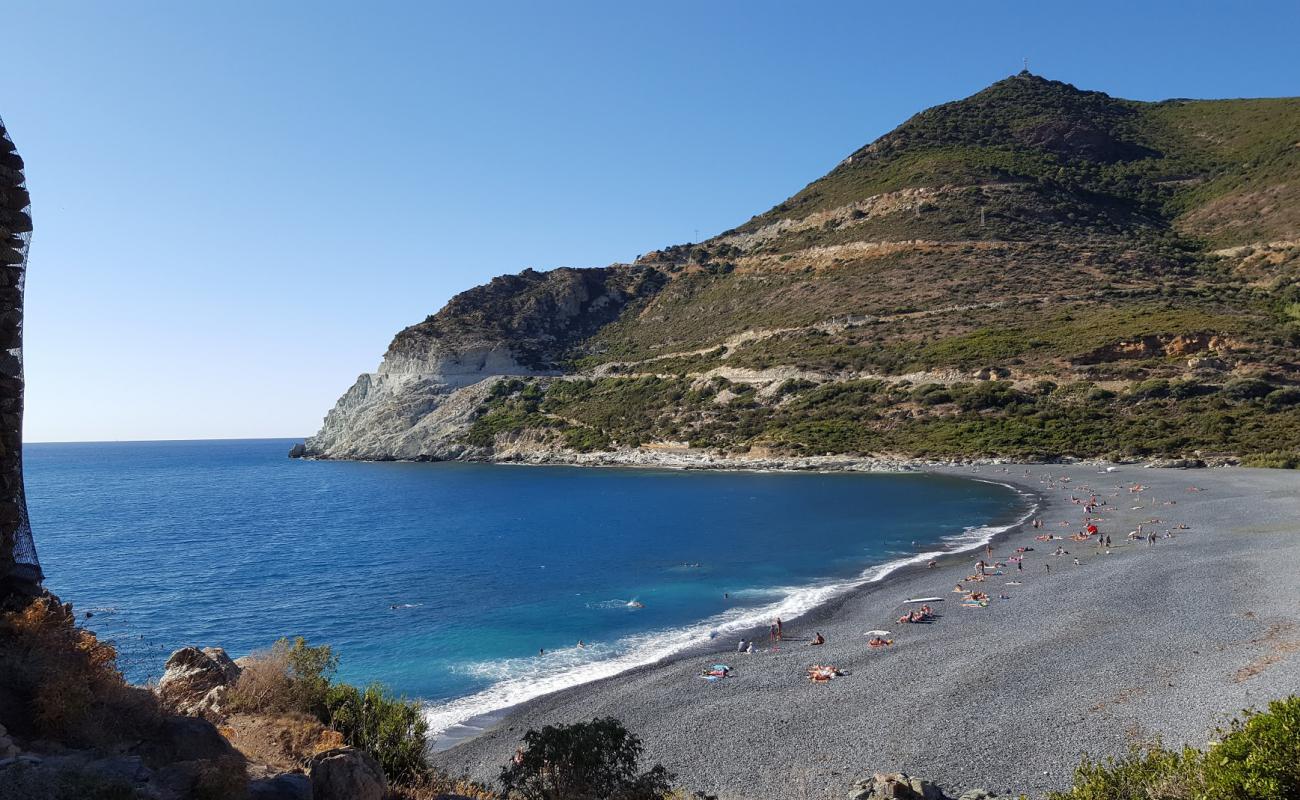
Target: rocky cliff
[
  {"x": 19, "y": 569},
  {"x": 436, "y": 374},
  {"x": 1033, "y": 271}
]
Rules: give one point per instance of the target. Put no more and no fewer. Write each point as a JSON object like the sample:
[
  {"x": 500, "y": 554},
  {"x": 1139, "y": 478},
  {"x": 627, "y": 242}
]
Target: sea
[{"x": 468, "y": 587}]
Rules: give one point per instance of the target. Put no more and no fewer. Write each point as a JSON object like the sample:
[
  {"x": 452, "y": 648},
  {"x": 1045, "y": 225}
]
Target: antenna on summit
[{"x": 1026, "y": 63}]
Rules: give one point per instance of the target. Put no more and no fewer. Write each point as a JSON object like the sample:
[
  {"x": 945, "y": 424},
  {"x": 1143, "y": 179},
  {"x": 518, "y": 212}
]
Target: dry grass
[
  {"x": 264, "y": 684},
  {"x": 66, "y": 682},
  {"x": 435, "y": 785},
  {"x": 284, "y": 741}
]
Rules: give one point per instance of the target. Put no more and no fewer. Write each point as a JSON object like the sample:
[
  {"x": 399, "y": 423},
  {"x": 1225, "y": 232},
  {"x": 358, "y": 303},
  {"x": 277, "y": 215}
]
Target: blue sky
[{"x": 237, "y": 204}]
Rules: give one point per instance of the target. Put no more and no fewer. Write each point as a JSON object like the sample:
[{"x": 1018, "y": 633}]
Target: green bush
[
  {"x": 1158, "y": 387},
  {"x": 1277, "y": 459},
  {"x": 1282, "y": 398},
  {"x": 1256, "y": 759},
  {"x": 294, "y": 676},
  {"x": 1247, "y": 389},
  {"x": 595, "y": 760},
  {"x": 389, "y": 728},
  {"x": 291, "y": 676}
]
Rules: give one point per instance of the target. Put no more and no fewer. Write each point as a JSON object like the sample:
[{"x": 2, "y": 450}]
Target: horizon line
[{"x": 160, "y": 441}]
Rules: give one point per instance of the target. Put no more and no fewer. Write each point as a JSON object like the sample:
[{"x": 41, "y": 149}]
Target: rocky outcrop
[
  {"x": 901, "y": 786},
  {"x": 20, "y": 572},
  {"x": 433, "y": 378},
  {"x": 346, "y": 773},
  {"x": 195, "y": 681},
  {"x": 1156, "y": 346},
  {"x": 288, "y": 786}
]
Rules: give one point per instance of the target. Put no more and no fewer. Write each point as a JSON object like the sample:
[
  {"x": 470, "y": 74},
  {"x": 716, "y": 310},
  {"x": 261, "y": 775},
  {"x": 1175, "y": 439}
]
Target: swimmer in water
[{"x": 580, "y": 644}]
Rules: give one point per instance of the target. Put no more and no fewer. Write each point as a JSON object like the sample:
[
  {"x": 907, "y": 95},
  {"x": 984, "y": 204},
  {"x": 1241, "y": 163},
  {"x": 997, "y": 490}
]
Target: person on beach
[
  {"x": 780, "y": 635},
  {"x": 740, "y": 648},
  {"x": 1048, "y": 568},
  {"x": 771, "y": 632},
  {"x": 1020, "y": 564},
  {"x": 817, "y": 640},
  {"x": 932, "y": 564},
  {"x": 750, "y": 648}
]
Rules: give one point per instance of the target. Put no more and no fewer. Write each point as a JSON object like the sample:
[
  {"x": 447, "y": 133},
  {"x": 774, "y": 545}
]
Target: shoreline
[
  {"x": 1067, "y": 634},
  {"x": 469, "y": 728},
  {"x": 688, "y": 459}
]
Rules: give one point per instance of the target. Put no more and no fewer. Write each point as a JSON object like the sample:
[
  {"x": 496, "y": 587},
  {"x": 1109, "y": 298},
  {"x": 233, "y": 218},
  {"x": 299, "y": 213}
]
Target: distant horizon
[
  {"x": 223, "y": 244},
  {"x": 166, "y": 441}
]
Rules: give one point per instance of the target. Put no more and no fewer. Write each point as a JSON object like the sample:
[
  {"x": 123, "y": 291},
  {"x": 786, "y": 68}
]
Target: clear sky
[{"x": 237, "y": 204}]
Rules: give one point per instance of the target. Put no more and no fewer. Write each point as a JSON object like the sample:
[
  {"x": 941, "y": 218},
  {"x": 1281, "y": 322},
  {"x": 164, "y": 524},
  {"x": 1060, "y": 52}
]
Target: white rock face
[{"x": 413, "y": 407}]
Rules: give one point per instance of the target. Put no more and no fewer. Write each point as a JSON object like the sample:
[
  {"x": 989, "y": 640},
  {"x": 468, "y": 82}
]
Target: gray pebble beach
[{"x": 1167, "y": 640}]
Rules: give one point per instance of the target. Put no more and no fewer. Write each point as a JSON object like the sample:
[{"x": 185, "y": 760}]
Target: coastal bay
[{"x": 1168, "y": 639}]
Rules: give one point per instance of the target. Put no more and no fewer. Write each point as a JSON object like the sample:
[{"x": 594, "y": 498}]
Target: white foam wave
[{"x": 519, "y": 680}]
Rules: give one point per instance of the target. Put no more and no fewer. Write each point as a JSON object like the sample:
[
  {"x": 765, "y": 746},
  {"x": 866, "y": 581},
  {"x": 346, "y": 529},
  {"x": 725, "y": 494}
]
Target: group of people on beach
[{"x": 987, "y": 567}]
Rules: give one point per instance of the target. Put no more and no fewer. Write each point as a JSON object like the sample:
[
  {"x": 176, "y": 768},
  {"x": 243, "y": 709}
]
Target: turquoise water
[{"x": 445, "y": 580}]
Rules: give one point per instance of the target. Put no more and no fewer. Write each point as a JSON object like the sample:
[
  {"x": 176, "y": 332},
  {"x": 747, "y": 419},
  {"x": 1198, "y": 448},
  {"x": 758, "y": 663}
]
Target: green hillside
[{"x": 1033, "y": 271}]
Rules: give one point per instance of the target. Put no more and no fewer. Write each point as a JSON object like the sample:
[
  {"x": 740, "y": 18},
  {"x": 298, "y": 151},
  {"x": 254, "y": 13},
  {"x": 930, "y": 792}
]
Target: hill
[{"x": 1034, "y": 271}]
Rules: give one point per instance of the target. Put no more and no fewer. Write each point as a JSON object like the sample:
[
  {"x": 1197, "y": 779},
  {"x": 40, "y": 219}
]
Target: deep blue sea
[{"x": 444, "y": 581}]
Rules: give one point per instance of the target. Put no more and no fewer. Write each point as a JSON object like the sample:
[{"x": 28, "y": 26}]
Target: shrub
[
  {"x": 595, "y": 760},
  {"x": 1277, "y": 459},
  {"x": 68, "y": 680},
  {"x": 390, "y": 729},
  {"x": 291, "y": 676},
  {"x": 992, "y": 394},
  {"x": 1256, "y": 759},
  {"x": 1282, "y": 398},
  {"x": 1157, "y": 387},
  {"x": 1247, "y": 389}
]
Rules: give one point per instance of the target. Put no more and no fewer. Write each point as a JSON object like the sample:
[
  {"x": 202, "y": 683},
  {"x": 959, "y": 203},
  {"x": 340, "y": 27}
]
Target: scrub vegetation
[{"x": 1031, "y": 234}]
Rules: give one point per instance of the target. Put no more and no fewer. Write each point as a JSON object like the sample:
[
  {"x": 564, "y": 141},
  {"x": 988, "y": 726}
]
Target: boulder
[
  {"x": 287, "y": 786},
  {"x": 191, "y": 677},
  {"x": 346, "y": 773},
  {"x": 895, "y": 786},
  {"x": 298, "y": 450}
]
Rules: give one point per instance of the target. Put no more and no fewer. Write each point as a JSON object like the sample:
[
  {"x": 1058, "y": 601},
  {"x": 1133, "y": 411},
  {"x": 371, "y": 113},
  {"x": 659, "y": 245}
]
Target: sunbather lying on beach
[
  {"x": 879, "y": 642},
  {"x": 819, "y": 673},
  {"x": 923, "y": 615}
]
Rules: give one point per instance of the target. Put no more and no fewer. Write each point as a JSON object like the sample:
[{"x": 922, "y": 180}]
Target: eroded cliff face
[
  {"x": 437, "y": 373},
  {"x": 19, "y": 569}
]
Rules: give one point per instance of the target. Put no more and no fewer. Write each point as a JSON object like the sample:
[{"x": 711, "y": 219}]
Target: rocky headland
[{"x": 1033, "y": 272}]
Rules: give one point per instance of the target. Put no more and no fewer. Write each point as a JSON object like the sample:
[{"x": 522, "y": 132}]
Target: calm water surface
[{"x": 445, "y": 580}]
